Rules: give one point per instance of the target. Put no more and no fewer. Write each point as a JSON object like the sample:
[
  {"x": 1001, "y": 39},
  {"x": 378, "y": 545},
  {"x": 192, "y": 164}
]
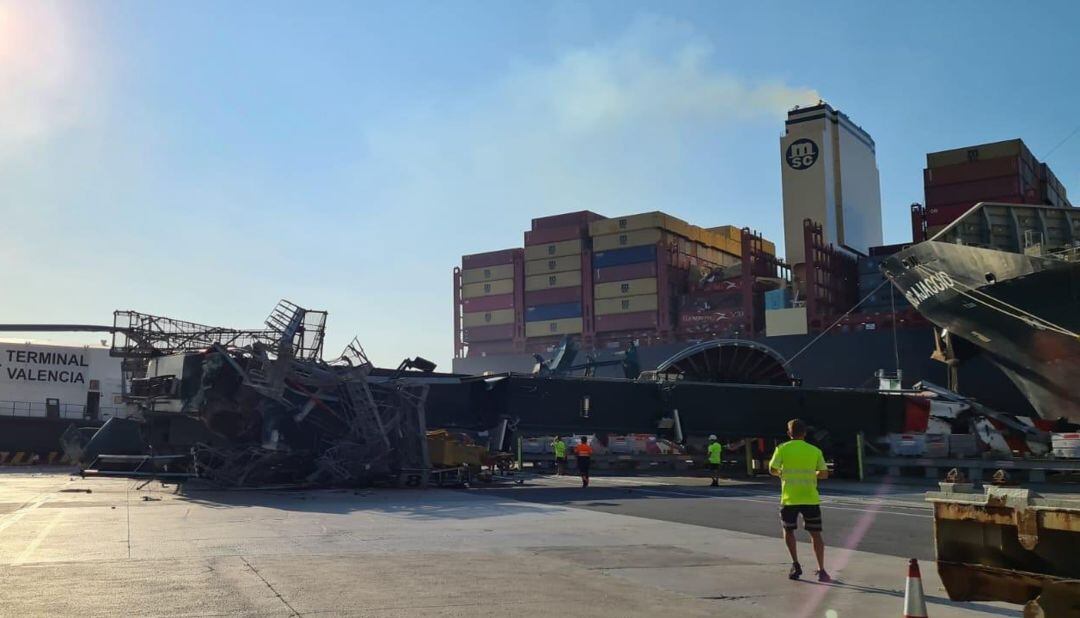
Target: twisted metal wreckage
[{"x": 255, "y": 407}]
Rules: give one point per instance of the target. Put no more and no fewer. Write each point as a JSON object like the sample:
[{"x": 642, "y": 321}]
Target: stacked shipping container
[
  {"x": 642, "y": 268},
  {"x": 608, "y": 281},
  {"x": 555, "y": 272},
  {"x": 955, "y": 180},
  {"x": 488, "y": 301},
  {"x": 728, "y": 301}
]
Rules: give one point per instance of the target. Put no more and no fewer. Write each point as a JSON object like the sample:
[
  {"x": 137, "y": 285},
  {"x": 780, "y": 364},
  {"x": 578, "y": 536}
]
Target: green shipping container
[
  {"x": 630, "y": 304},
  {"x": 556, "y": 280},
  {"x": 490, "y": 273},
  {"x": 475, "y": 290},
  {"x": 488, "y": 318},
  {"x": 622, "y": 240},
  {"x": 553, "y": 265},
  {"x": 553, "y": 249},
  {"x": 640, "y": 222},
  {"x": 565, "y": 326},
  {"x": 617, "y": 289}
]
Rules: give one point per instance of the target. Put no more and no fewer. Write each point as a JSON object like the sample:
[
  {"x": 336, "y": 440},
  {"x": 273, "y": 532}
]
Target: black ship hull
[
  {"x": 1024, "y": 310},
  {"x": 541, "y": 405},
  {"x": 839, "y": 359}
]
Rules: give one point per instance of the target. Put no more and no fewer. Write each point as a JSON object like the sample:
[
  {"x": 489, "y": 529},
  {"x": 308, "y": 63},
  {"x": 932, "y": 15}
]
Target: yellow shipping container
[
  {"x": 565, "y": 326},
  {"x": 709, "y": 254},
  {"x": 553, "y": 265},
  {"x": 557, "y": 280},
  {"x": 640, "y": 222},
  {"x": 633, "y": 287},
  {"x": 733, "y": 247},
  {"x": 490, "y": 273},
  {"x": 732, "y": 240},
  {"x": 488, "y": 318},
  {"x": 553, "y": 249},
  {"x": 728, "y": 231},
  {"x": 623, "y": 240},
  {"x": 630, "y": 304},
  {"x": 475, "y": 290},
  {"x": 779, "y": 322}
]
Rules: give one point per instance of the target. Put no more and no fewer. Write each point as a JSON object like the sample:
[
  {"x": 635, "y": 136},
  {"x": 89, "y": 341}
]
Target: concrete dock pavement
[{"x": 129, "y": 548}]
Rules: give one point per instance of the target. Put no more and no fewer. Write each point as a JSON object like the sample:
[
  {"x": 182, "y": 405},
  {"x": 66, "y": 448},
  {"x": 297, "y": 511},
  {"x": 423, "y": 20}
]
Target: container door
[{"x": 93, "y": 405}]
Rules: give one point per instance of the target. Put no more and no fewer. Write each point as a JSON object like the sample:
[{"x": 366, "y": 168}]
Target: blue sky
[{"x": 203, "y": 159}]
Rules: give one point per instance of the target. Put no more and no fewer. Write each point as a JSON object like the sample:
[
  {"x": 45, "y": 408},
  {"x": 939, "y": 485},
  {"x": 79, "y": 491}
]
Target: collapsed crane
[{"x": 256, "y": 407}]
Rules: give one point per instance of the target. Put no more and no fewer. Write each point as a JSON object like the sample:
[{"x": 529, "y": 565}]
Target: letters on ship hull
[{"x": 1022, "y": 309}]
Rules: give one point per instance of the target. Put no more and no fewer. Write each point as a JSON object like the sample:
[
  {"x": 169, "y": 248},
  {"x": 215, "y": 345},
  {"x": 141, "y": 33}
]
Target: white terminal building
[
  {"x": 830, "y": 175},
  {"x": 59, "y": 381}
]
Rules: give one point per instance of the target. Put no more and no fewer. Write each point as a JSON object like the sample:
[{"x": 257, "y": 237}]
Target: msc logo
[{"x": 801, "y": 154}]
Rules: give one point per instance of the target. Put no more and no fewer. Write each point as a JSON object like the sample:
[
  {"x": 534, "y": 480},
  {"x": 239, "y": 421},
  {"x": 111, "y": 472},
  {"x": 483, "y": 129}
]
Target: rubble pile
[{"x": 271, "y": 411}]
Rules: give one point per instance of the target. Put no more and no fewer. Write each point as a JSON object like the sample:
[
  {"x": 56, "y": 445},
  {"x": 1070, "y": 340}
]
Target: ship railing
[
  {"x": 1069, "y": 254},
  {"x": 39, "y": 409}
]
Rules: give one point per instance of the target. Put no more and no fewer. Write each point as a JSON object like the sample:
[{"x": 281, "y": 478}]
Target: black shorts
[
  {"x": 583, "y": 464},
  {"x": 811, "y": 517},
  {"x": 560, "y": 460},
  {"x": 714, "y": 466}
]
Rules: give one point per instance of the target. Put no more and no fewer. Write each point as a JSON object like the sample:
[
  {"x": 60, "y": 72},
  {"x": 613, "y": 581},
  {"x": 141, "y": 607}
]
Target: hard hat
[{"x": 712, "y": 436}]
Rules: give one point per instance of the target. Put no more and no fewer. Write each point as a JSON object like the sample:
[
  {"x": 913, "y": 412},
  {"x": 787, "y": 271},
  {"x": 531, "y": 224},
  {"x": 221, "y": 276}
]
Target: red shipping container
[
  {"x": 488, "y": 303},
  {"x": 626, "y": 321},
  {"x": 555, "y": 234},
  {"x": 554, "y": 296},
  {"x": 641, "y": 270},
  {"x": 491, "y": 258},
  {"x": 977, "y": 191},
  {"x": 916, "y": 414},
  {"x": 488, "y": 333},
  {"x": 973, "y": 171},
  {"x": 579, "y": 218}
]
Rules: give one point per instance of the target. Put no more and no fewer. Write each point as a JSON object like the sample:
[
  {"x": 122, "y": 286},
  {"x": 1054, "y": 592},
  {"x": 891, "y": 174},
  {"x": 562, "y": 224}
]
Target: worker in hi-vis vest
[
  {"x": 800, "y": 465},
  {"x": 584, "y": 458},
  {"x": 560, "y": 455},
  {"x": 715, "y": 451}
]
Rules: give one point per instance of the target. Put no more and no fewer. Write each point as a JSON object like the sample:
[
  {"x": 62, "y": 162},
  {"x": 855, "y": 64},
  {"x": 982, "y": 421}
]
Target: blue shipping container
[
  {"x": 622, "y": 257},
  {"x": 544, "y": 313},
  {"x": 776, "y": 299}
]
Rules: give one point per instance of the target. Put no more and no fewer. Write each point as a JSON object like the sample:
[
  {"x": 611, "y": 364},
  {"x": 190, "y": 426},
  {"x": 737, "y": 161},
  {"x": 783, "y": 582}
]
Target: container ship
[
  {"x": 752, "y": 297},
  {"x": 659, "y": 284},
  {"x": 1006, "y": 278}
]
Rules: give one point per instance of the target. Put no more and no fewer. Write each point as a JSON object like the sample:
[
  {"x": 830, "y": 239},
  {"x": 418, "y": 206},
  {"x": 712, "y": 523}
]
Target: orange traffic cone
[{"x": 914, "y": 602}]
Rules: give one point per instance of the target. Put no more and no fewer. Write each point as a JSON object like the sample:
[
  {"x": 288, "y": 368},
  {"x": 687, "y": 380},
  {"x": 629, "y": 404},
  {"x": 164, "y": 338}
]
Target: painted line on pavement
[
  {"x": 32, "y": 547},
  {"x": 765, "y": 498},
  {"x": 19, "y": 514},
  {"x": 881, "y": 511}
]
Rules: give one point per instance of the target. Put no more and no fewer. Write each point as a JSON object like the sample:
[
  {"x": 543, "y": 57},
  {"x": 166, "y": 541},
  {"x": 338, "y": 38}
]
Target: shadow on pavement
[
  {"x": 930, "y": 599},
  {"x": 430, "y": 504}
]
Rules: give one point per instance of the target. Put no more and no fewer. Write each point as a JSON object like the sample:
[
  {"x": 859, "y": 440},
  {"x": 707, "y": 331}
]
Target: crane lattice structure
[{"x": 138, "y": 335}]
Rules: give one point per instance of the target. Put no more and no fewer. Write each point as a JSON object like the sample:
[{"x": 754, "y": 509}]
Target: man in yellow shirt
[
  {"x": 799, "y": 466},
  {"x": 560, "y": 455},
  {"x": 715, "y": 452}
]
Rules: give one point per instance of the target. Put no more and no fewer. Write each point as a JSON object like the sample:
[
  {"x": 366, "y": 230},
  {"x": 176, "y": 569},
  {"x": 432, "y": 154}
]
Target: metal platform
[
  {"x": 619, "y": 461},
  {"x": 934, "y": 468}
]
